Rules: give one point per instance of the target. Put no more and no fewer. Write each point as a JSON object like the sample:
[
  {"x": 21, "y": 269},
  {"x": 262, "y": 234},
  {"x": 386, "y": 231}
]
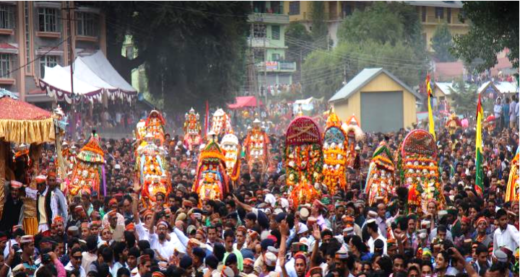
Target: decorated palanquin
[
  {"x": 453, "y": 124},
  {"x": 22, "y": 163},
  {"x": 231, "y": 147},
  {"x": 303, "y": 159},
  {"x": 257, "y": 147},
  {"x": 152, "y": 172},
  {"x": 221, "y": 123},
  {"x": 418, "y": 170},
  {"x": 380, "y": 184},
  {"x": 334, "y": 155},
  {"x": 192, "y": 130},
  {"x": 88, "y": 174},
  {"x": 355, "y": 134},
  {"x": 211, "y": 180},
  {"x": 155, "y": 126},
  {"x": 513, "y": 184}
]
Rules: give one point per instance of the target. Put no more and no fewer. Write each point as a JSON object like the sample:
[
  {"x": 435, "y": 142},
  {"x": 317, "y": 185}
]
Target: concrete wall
[{"x": 345, "y": 108}]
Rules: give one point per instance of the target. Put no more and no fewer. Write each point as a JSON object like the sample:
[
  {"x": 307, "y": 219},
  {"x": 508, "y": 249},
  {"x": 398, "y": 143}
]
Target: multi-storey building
[
  {"x": 434, "y": 13},
  {"x": 431, "y": 15},
  {"x": 267, "y": 40},
  {"x": 36, "y": 34}
]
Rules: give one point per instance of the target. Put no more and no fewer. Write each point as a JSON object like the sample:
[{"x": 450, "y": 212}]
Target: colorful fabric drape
[
  {"x": 479, "y": 186},
  {"x": 512, "y": 189},
  {"x": 430, "y": 113}
]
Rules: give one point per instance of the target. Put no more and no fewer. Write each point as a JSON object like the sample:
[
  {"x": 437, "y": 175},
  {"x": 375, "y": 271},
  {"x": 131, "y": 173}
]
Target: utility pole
[{"x": 265, "y": 64}]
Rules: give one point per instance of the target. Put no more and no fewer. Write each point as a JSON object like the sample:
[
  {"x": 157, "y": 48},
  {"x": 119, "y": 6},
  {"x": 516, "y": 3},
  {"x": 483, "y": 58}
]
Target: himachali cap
[
  {"x": 270, "y": 259},
  {"x": 78, "y": 208},
  {"x": 501, "y": 256},
  {"x": 15, "y": 184},
  {"x": 299, "y": 247},
  {"x": 342, "y": 253},
  {"x": 227, "y": 272},
  {"x": 162, "y": 222},
  {"x": 41, "y": 179},
  {"x": 372, "y": 214},
  {"x": 481, "y": 220},
  {"x": 316, "y": 270},
  {"x": 249, "y": 262},
  {"x": 112, "y": 201},
  {"x": 130, "y": 227},
  {"x": 349, "y": 230},
  {"x": 16, "y": 227},
  {"x": 27, "y": 239}
]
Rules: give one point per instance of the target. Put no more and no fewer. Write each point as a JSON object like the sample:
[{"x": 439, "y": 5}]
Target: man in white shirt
[
  {"x": 506, "y": 235},
  {"x": 46, "y": 204},
  {"x": 373, "y": 229},
  {"x": 163, "y": 247},
  {"x": 75, "y": 262}
]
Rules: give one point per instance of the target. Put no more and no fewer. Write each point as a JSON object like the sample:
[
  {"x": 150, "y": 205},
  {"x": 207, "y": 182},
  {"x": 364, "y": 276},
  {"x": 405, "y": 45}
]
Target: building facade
[
  {"x": 431, "y": 15},
  {"x": 267, "y": 42},
  {"x": 36, "y": 34},
  {"x": 435, "y": 13}
]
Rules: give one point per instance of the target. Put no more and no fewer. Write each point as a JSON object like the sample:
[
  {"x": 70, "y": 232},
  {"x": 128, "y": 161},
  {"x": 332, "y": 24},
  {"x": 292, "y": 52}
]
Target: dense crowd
[{"x": 255, "y": 231}]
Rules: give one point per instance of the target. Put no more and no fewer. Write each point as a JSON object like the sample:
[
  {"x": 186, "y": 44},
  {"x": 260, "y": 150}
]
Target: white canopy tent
[{"x": 93, "y": 76}]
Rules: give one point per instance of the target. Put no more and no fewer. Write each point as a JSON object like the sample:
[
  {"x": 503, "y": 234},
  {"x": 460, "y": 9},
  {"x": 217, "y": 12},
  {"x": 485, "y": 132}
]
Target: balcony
[
  {"x": 433, "y": 20},
  {"x": 276, "y": 66},
  {"x": 269, "y": 18}
]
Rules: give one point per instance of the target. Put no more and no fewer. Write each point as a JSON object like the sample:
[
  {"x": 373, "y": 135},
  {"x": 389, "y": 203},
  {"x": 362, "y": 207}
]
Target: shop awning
[{"x": 243, "y": 102}]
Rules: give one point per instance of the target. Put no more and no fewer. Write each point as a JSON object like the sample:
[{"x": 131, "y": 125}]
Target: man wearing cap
[
  {"x": 46, "y": 203},
  {"x": 163, "y": 247},
  {"x": 14, "y": 205},
  {"x": 54, "y": 182},
  {"x": 27, "y": 246},
  {"x": 480, "y": 235}
]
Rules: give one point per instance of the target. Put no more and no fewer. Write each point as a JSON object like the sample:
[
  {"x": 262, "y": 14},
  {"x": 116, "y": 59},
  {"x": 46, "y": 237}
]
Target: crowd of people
[{"x": 255, "y": 231}]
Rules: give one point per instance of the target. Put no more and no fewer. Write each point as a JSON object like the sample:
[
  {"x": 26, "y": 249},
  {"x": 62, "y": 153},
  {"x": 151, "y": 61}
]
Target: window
[
  {"x": 294, "y": 7},
  {"x": 6, "y": 17},
  {"x": 259, "y": 31},
  {"x": 276, "y": 57},
  {"x": 48, "y": 19},
  {"x": 423, "y": 15},
  {"x": 5, "y": 66},
  {"x": 439, "y": 13},
  {"x": 448, "y": 15},
  {"x": 129, "y": 52},
  {"x": 87, "y": 24},
  {"x": 47, "y": 61},
  {"x": 347, "y": 9},
  {"x": 275, "y": 32}
]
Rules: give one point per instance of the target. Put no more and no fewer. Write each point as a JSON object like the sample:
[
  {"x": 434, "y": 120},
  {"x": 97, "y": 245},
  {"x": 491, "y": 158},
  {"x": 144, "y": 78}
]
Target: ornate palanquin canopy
[{"x": 21, "y": 122}]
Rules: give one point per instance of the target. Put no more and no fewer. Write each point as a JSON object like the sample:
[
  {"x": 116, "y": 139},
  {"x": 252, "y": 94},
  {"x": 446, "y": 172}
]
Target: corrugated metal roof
[
  {"x": 440, "y": 4},
  {"x": 502, "y": 87},
  {"x": 444, "y": 87},
  {"x": 363, "y": 78}
]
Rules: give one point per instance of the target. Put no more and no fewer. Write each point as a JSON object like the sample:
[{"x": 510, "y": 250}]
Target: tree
[
  {"x": 299, "y": 43},
  {"x": 493, "y": 28},
  {"x": 319, "y": 26},
  {"x": 325, "y": 71},
  {"x": 383, "y": 35},
  {"x": 464, "y": 97},
  {"x": 192, "y": 51},
  {"x": 441, "y": 43}
]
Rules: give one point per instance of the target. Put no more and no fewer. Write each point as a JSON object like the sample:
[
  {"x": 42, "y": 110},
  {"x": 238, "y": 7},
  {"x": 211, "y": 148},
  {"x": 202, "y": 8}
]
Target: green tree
[
  {"x": 383, "y": 35},
  {"x": 299, "y": 43},
  {"x": 324, "y": 72},
  {"x": 319, "y": 25},
  {"x": 464, "y": 97},
  {"x": 192, "y": 51},
  {"x": 493, "y": 27},
  {"x": 442, "y": 42}
]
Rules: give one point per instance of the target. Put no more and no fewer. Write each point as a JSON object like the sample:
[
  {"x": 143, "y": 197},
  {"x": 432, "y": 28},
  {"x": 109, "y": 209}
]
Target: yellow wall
[
  {"x": 345, "y": 108},
  {"x": 438, "y": 93},
  {"x": 305, "y": 8}
]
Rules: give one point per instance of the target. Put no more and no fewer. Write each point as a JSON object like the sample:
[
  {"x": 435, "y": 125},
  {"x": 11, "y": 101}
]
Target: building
[
  {"x": 380, "y": 101},
  {"x": 442, "y": 96},
  {"x": 435, "y": 13},
  {"x": 335, "y": 13},
  {"x": 267, "y": 40},
  {"x": 35, "y": 34}
]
